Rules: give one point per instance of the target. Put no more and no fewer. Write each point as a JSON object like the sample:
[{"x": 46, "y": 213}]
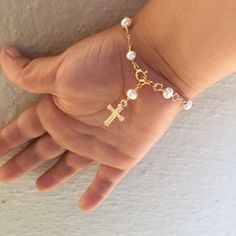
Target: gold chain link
[{"x": 142, "y": 76}]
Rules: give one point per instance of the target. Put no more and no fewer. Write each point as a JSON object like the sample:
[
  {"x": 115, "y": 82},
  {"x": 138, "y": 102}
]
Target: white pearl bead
[
  {"x": 188, "y": 105},
  {"x": 132, "y": 94},
  {"x": 126, "y": 22},
  {"x": 168, "y": 93},
  {"x": 131, "y": 55}
]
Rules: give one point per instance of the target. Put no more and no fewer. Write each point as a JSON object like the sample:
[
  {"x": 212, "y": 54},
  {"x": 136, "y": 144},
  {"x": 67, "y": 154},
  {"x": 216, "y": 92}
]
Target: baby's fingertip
[
  {"x": 6, "y": 179},
  {"x": 84, "y": 207},
  {"x": 11, "y": 51},
  {"x": 40, "y": 187}
]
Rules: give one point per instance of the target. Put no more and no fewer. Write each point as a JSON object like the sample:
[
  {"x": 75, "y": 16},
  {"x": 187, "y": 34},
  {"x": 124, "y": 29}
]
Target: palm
[{"x": 90, "y": 75}]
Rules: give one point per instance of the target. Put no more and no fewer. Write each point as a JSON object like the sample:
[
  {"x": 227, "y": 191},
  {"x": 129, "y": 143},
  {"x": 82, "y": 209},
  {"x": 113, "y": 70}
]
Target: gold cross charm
[{"x": 115, "y": 112}]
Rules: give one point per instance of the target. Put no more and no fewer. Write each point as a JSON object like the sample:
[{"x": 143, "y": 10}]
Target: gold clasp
[{"x": 141, "y": 76}]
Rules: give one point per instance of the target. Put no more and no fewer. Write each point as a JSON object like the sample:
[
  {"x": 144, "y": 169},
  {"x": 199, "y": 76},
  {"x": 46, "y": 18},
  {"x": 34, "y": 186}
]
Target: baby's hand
[{"x": 69, "y": 121}]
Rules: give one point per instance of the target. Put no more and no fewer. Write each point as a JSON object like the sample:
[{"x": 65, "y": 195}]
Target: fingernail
[{"x": 12, "y": 51}]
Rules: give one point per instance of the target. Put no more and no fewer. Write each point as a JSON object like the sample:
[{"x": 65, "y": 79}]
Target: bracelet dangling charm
[{"x": 142, "y": 80}]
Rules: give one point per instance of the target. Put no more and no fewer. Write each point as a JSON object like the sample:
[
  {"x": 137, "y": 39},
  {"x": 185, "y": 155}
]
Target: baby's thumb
[{"x": 36, "y": 76}]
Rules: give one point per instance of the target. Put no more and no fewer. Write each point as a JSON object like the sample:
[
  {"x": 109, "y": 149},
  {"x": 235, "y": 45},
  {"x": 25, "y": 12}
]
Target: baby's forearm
[{"x": 192, "y": 43}]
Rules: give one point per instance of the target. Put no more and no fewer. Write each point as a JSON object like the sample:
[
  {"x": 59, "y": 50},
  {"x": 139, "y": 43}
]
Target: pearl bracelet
[{"x": 142, "y": 79}]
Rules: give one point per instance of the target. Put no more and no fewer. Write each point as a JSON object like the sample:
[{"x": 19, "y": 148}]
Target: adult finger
[
  {"x": 37, "y": 76},
  {"x": 68, "y": 165},
  {"x": 106, "y": 179},
  {"x": 26, "y": 127},
  {"x": 39, "y": 151}
]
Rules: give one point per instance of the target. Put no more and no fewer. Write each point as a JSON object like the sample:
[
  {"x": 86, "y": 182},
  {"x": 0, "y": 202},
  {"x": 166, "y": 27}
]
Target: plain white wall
[{"x": 185, "y": 186}]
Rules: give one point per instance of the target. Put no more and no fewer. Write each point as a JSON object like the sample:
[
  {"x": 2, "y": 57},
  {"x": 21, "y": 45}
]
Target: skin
[{"x": 79, "y": 84}]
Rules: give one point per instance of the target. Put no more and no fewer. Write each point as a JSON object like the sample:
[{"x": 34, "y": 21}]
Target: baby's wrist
[
  {"x": 147, "y": 50},
  {"x": 145, "y": 75},
  {"x": 185, "y": 44}
]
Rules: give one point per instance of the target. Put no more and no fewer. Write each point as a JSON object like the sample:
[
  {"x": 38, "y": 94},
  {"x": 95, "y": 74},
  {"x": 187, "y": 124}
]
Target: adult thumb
[{"x": 36, "y": 76}]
